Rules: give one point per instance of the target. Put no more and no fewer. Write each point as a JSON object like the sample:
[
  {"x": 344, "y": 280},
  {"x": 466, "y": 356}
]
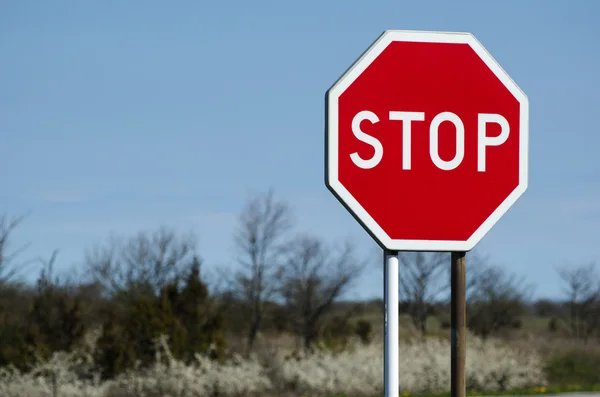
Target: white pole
[{"x": 391, "y": 356}]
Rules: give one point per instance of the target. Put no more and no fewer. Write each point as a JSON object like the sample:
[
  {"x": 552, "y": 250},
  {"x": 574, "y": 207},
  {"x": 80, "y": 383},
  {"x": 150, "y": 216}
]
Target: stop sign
[{"x": 426, "y": 141}]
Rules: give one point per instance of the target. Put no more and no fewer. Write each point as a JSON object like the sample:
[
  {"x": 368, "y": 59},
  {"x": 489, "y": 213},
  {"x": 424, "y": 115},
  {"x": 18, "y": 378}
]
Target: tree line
[
  {"x": 284, "y": 281},
  {"x": 497, "y": 300},
  {"x": 136, "y": 288}
]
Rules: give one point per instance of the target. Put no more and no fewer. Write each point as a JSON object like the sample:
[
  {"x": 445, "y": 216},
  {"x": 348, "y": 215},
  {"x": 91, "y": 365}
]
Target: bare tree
[
  {"x": 260, "y": 240},
  {"x": 9, "y": 263},
  {"x": 582, "y": 287},
  {"x": 313, "y": 278},
  {"x": 421, "y": 283},
  {"x": 547, "y": 308},
  {"x": 496, "y": 299},
  {"x": 142, "y": 264}
]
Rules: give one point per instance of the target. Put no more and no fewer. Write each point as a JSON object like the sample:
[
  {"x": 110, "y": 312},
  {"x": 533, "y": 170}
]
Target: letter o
[{"x": 434, "y": 141}]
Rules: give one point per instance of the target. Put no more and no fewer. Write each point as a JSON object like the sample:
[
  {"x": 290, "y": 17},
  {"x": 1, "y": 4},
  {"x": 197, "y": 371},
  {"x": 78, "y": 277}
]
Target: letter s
[{"x": 368, "y": 139}]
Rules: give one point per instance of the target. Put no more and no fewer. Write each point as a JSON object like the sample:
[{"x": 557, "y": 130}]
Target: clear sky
[{"x": 127, "y": 115}]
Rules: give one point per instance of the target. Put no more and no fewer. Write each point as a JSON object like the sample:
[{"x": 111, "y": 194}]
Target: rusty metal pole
[{"x": 458, "y": 311}]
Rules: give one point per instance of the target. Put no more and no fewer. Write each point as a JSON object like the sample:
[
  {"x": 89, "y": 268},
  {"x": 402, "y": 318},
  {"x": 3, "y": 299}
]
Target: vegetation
[
  {"x": 146, "y": 321},
  {"x": 355, "y": 371}
]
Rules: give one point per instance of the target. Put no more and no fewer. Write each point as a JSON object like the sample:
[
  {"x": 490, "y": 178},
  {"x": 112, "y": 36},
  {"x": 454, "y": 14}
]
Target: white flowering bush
[
  {"x": 172, "y": 378},
  {"x": 424, "y": 367}
]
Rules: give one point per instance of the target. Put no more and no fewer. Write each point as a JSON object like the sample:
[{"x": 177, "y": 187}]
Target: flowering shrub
[{"x": 424, "y": 367}]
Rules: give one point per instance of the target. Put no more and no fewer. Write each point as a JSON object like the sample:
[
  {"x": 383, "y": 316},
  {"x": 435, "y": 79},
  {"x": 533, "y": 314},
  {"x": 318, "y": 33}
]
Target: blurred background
[{"x": 165, "y": 228}]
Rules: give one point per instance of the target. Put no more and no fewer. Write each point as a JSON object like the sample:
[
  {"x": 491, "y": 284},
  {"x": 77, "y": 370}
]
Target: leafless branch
[
  {"x": 421, "y": 282},
  {"x": 496, "y": 299},
  {"x": 9, "y": 264},
  {"x": 581, "y": 284},
  {"x": 312, "y": 279},
  {"x": 261, "y": 241},
  {"x": 143, "y": 263}
]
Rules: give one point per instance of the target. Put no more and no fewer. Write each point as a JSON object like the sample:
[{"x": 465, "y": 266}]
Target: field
[{"x": 530, "y": 360}]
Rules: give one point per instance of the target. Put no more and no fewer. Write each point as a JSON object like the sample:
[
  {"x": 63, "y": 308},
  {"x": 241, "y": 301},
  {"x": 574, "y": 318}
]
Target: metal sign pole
[
  {"x": 458, "y": 309},
  {"x": 391, "y": 321}
]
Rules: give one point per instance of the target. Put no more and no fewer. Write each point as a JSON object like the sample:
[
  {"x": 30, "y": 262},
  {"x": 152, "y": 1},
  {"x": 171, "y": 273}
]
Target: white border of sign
[{"x": 331, "y": 141}]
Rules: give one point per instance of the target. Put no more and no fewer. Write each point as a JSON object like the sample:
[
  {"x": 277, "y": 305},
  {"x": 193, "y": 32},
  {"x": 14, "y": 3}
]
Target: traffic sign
[{"x": 426, "y": 141}]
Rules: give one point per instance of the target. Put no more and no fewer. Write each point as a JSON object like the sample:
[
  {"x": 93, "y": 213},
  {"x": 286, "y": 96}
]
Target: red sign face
[{"x": 427, "y": 141}]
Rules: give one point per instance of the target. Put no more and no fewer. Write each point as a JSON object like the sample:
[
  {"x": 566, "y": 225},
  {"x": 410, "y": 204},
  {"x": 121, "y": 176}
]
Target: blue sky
[{"x": 120, "y": 116}]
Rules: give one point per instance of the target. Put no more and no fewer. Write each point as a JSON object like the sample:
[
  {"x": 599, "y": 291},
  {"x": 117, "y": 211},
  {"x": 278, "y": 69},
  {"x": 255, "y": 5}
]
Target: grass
[
  {"x": 575, "y": 367},
  {"x": 516, "y": 392}
]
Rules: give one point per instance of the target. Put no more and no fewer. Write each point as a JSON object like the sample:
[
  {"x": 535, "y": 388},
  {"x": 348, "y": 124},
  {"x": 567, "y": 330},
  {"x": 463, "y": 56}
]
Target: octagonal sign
[{"x": 426, "y": 141}]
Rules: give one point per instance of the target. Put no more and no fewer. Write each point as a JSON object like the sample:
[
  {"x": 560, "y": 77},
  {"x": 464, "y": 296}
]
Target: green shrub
[
  {"x": 576, "y": 367},
  {"x": 14, "y": 349},
  {"x": 363, "y": 330},
  {"x": 37, "y": 322},
  {"x": 445, "y": 322},
  {"x": 335, "y": 334},
  {"x": 184, "y": 314},
  {"x": 553, "y": 325}
]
